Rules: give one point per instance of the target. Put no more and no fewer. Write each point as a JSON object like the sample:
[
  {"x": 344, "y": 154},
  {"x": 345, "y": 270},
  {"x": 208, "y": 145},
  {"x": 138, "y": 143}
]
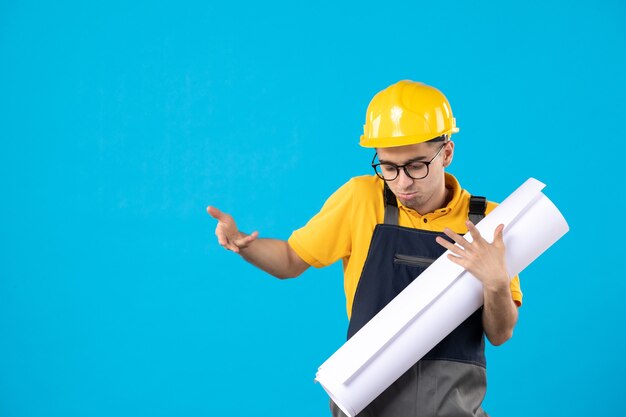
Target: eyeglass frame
[{"x": 406, "y": 171}]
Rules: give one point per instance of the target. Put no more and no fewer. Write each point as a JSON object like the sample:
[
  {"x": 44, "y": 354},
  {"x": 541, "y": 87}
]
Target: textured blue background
[{"x": 120, "y": 122}]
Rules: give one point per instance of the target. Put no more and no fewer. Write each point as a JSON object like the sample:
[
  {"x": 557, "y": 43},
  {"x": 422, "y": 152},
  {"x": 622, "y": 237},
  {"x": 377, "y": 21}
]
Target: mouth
[{"x": 406, "y": 196}]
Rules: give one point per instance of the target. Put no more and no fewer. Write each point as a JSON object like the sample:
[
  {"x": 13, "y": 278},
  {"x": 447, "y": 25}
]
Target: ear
[{"x": 448, "y": 154}]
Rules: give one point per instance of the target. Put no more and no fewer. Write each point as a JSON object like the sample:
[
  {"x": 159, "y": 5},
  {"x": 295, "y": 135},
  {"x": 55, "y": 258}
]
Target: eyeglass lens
[{"x": 416, "y": 170}]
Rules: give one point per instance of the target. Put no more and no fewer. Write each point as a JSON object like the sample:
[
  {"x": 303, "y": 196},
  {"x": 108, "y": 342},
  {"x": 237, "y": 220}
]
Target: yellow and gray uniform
[{"x": 379, "y": 261}]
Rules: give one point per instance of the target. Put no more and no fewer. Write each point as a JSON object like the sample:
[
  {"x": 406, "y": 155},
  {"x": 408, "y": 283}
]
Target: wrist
[{"x": 499, "y": 284}]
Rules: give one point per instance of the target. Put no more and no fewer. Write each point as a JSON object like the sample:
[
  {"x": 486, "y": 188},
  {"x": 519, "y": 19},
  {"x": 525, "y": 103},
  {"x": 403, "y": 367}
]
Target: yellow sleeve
[
  {"x": 327, "y": 237},
  {"x": 516, "y": 291}
]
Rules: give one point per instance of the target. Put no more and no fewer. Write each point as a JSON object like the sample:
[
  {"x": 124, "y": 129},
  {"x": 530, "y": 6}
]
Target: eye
[
  {"x": 388, "y": 169},
  {"x": 415, "y": 166}
]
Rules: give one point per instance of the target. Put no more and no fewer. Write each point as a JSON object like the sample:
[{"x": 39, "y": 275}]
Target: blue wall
[{"x": 121, "y": 121}]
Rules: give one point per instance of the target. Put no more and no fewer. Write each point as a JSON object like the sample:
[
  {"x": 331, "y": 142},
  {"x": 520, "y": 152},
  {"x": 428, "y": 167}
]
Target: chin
[{"x": 412, "y": 203}]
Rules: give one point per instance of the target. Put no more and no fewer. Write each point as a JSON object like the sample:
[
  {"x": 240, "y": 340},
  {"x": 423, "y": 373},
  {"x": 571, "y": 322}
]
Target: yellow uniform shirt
[{"x": 344, "y": 226}]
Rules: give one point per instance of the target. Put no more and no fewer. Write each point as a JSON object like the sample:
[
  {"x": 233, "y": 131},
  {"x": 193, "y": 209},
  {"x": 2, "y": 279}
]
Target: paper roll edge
[{"x": 331, "y": 391}]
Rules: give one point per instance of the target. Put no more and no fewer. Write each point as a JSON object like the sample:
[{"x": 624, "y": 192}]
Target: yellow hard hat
[{"x": 406, "y": 113}]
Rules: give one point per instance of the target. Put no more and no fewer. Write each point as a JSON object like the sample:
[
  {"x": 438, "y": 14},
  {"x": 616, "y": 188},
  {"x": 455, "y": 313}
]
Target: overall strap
[
  {"x": 477, "y": 208},
  {"x": 391, "y": 207}
]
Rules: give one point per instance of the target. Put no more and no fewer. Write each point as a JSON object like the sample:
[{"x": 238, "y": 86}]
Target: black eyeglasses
[{"x": 415, "y": 169}]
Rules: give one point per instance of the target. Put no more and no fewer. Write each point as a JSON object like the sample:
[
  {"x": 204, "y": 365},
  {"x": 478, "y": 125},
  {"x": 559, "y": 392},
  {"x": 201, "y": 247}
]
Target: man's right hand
[{"x": 227, "y": 233}]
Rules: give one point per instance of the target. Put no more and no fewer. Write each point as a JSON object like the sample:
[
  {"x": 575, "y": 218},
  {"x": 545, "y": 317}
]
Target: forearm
[
  {"x": 274, "y": 257},
  {"x": 499, "y": 313}
]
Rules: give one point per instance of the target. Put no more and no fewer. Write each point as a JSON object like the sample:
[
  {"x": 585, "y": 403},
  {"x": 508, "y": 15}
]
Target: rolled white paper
[{"x": 433, "y": 305}]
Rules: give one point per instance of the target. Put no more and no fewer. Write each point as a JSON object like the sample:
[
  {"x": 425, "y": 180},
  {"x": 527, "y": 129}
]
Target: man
[{"x": 387, "y": 228}]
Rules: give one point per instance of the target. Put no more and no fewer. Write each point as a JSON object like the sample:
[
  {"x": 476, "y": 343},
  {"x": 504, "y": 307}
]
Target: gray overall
[{"x": 450, "y": 381}]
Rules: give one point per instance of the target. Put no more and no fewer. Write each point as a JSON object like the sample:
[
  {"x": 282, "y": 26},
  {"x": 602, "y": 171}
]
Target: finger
[
  {"x": 222, "y": 236},
  {"x": 476, "y": 236},
  {"x": 460, "y": 240},
  {"x": 450, "y": 246},
  {"x": 457, "y": 260},
  {"x": 229, "y": 245}
]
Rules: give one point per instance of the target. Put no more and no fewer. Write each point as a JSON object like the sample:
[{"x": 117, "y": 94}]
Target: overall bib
[{"x": 450, "y": 380}]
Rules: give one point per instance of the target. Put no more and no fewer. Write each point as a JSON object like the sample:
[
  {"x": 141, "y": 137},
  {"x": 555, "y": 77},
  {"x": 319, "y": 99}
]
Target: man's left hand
[
  {"x": 487, "y": 263},
  {"x": 482, "y": 259}
]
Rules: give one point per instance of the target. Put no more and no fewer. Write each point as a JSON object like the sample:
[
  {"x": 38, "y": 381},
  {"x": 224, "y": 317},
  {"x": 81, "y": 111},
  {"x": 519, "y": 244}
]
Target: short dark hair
[{"x": 442, "y": 138}]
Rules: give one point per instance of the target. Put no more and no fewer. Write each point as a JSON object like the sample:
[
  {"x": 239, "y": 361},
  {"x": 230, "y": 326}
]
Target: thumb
[
  {"x": 498, "y": 234},
  {"x": 246, "y": 240}
]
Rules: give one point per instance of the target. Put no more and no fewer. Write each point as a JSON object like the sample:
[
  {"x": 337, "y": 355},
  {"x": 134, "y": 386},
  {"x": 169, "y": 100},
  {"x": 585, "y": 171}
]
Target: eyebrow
[{"x": 416, "y": 159}]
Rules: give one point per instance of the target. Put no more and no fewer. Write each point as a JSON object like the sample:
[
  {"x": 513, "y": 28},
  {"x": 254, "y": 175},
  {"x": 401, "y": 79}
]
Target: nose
[{"x": 404, "y": 181}]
